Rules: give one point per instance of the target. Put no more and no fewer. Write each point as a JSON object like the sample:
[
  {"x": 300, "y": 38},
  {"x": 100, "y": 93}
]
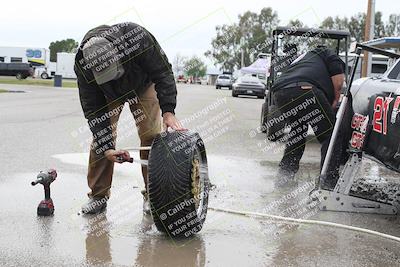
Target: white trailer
[
  {"x": 379, "y": 65},
  {"x": 65, "y": 65},
  {"x": 39, "y": 58}
]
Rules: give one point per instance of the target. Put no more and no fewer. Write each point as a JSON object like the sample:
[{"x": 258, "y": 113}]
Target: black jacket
[
  {"x": 316, "y": 67},
  {"x": 144, "y": 62}
]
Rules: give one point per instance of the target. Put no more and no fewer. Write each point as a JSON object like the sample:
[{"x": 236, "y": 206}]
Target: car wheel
[
  {"x": 19, "y": 76},
  {"x": 178, "y": 183},
  {"x": 234, "y": 94},
  {"x": 260, "y": 97},
  {"x": 230, "y": 87},
  {"x": 217, "y": 87},
  {"x": 44, "y": 76}
]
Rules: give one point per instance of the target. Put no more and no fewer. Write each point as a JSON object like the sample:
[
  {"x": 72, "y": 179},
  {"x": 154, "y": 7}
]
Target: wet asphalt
[{"x": 44, "y": 128}]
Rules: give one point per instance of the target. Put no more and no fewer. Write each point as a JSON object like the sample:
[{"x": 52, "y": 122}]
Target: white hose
[{"x": 302, "y": 221}]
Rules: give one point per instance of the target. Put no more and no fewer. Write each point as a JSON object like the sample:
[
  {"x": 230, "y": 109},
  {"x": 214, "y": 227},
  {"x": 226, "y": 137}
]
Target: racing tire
[{"x": 178, "y": 183}]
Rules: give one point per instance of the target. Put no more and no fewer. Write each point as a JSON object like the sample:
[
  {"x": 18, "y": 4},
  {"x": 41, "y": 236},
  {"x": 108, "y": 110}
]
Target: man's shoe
[
  {"x": 146, "y": 203},
  {"x": 95, "y": 205}
]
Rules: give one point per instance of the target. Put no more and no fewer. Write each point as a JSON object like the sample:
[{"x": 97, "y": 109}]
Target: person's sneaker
[
  {"x": 95, "y": 205},
  {"x": 146, "y": 203}
]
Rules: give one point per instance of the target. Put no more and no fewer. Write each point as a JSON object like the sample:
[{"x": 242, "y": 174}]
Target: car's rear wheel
[
  {"x": 178, "y": 183},
  {"x": 19, "y": 76}
]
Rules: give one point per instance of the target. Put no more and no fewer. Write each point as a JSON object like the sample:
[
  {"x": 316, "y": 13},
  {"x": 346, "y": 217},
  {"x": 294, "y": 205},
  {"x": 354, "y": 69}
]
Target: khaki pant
[{"x": 146, "y": 113}]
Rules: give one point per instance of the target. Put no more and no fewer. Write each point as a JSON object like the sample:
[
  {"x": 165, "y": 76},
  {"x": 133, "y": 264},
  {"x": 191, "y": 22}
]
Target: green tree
[
  {"x": 251, "y": 34},
  {"x": 392, "y": 27},
  {"x": 178, "y": 64},
  {"x": 336, "y": 23},
  {"x": 195, "y": 67},
  {"x": 379, "y": 29},
  {"x": 67, "y": 45},
  {"x": 355, "y": 25},
  {"x": 297, "y": 23}
]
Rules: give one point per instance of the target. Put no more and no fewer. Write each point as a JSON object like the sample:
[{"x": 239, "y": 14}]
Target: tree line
[{"x": 252, "y": 34}]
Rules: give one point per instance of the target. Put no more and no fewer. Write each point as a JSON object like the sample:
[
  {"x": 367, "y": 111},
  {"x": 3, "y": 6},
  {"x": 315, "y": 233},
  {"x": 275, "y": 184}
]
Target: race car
[
  {"x": 375, "y": 124},
  {"x": 368, "y": 123}
]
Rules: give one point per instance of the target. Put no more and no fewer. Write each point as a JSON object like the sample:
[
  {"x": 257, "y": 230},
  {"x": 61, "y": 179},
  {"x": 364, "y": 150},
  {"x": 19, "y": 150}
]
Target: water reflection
[
  {"x": 98, "y": 249},
  {"x": 160, "y": 250}
]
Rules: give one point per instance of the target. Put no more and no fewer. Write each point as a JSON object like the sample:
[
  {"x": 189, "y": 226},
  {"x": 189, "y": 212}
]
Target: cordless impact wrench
[{"x": 46, "y": 206}]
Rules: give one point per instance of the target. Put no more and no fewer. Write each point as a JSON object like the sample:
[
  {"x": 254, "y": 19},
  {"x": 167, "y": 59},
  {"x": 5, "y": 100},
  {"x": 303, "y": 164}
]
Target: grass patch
[
  {"x": 3, "y": 91},
  {"x": 39, "y": 82}
]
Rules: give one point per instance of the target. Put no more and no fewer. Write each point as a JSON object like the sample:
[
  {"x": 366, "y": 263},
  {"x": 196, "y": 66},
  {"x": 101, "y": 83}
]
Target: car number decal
[{"x": 381, "y": 109}]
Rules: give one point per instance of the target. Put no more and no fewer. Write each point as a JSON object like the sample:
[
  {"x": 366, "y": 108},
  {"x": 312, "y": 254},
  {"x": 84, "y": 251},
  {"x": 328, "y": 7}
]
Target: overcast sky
[{"x": 181, "y": 26}]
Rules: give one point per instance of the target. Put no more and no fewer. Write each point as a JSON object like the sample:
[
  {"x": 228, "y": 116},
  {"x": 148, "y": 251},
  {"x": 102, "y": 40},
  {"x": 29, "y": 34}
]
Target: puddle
[{"x": 122, "y": 236}]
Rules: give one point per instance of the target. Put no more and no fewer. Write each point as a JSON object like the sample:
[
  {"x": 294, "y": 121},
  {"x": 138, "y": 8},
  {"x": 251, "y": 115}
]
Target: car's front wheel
[{"x": 44, "y": 76}]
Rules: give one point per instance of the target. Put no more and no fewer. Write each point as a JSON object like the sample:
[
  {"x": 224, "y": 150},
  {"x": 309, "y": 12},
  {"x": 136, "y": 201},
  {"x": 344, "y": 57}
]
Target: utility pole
[
  {"x": 242, "y": 40},
  {"x": 369, "y": 35},
  {"x": 242, "y": 52}
]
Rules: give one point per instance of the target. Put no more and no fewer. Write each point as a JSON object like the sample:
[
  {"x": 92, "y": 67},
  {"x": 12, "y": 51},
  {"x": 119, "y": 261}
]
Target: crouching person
[{"x": 115, "y": 65}]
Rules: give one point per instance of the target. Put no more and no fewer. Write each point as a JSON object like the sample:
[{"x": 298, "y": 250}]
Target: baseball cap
[{"x": 102, "y": 57}]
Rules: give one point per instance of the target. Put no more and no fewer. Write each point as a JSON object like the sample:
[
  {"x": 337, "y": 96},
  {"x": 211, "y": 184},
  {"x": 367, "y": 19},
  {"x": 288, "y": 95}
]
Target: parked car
[
  {"x": 224, "y": 80},
  {"x": 19, "y": 70},
  {"x": 204, "y": 81},
  {"x": 248, "y": 85},
  {"x": 181, "y": 79},
  {"x": 196, "y": 80}
]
